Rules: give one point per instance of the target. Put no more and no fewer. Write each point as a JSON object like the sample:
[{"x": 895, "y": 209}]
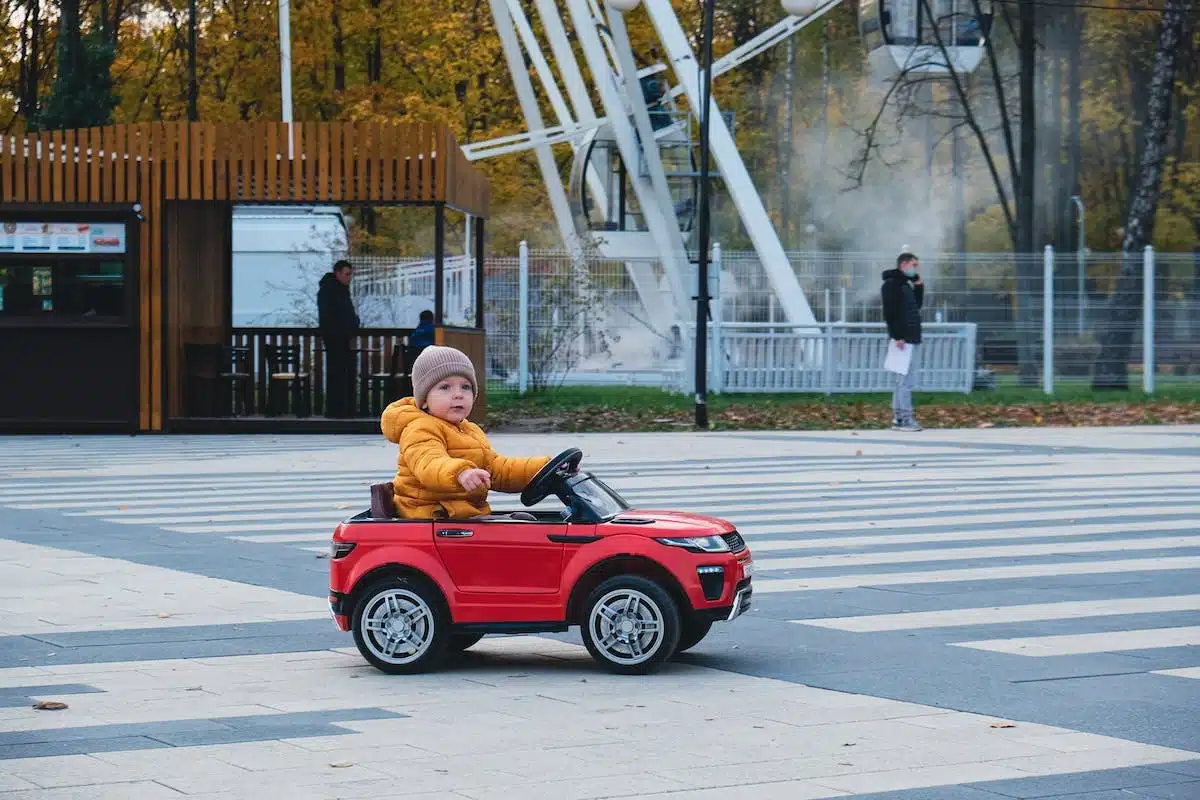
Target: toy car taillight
[
  {"x": 340, "y": 549},
  {"x": 698, "y": 544}
]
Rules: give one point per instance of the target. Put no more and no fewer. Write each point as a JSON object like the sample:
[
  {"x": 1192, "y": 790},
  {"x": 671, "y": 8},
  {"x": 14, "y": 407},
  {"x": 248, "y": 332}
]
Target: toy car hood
[{"x": 654, "y": 522}]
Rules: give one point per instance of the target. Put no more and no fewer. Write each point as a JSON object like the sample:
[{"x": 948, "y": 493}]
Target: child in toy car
[{"x": 446, "y": 464}]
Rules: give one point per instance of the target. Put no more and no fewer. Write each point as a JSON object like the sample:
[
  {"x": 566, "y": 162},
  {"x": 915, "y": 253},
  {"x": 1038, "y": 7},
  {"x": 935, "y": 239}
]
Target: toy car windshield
[{"x": 594, "y": 500}]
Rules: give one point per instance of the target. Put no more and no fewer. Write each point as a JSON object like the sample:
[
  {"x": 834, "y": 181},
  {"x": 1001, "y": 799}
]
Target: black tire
[
  {"x": 428, "y": 635},
  {"x": 653, "y": 604},
  {"x": 694, "y": 630},
  {"x": 461, "y": 641}
]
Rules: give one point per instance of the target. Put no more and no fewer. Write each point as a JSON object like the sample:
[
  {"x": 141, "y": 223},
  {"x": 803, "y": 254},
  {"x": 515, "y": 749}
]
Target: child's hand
[{"x": 475, "y": 479}]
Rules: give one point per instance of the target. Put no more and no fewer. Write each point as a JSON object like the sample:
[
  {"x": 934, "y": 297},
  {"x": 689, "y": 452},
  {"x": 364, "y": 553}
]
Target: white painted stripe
[
  {"x": 214, "y": 512},
  {"x": 831, "y": 509},
  {"x": 915, "y": 520},
  {"x": 130, "y": 511},
  {"x": 771, "y": 586},
  {"x": 288, "y": 538},
  {"x": 295, "y": 527},
  {"x": 1186, "y": 672},
  {"x": 775, "y": 545},
  {"x": 1074, "y": 644},
  {"x": 266, "y": 514},
  {"x": 789, "y": 496},
  {"x": 962, "y": 553},
  {"x": 998, "y": 615}
]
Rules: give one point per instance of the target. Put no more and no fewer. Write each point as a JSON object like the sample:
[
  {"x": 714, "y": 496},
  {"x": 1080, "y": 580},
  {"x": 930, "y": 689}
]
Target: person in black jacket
[
  {"x": 338, "y": 323},
  {"x": 903, "y": 293}
]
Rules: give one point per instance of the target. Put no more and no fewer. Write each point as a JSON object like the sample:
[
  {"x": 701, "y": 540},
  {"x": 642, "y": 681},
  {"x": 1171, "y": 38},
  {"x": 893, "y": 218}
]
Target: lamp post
[
  {"x": 1081, "y": 262},
  {"x": 702, "y": 298}
]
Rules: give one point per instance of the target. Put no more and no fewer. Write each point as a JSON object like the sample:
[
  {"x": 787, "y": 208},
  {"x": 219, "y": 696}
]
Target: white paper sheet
[{"x": 897, "y": 360}]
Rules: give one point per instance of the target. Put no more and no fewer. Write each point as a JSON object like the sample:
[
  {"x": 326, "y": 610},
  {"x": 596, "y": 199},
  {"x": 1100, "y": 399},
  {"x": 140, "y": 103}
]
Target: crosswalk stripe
[
  {"x": 962, "y": 553},
  {"x": 286, "y": 538},
  {"x": 1186, "y": 672},
  {"x": 1073, "y": 644},
  {"x": 882, "y": 521},
  {"x": 204, "y": 493},
  {"x": 774, "y": 545},
  {"x": 237, "y": 499},
  {"x": 998, "y": 615},
  {"x": 777, "y": 585},
  {"x": 821, "y": 516}
]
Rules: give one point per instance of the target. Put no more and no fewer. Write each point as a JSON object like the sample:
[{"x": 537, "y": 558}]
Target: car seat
[{"x": 383, "y": 504}]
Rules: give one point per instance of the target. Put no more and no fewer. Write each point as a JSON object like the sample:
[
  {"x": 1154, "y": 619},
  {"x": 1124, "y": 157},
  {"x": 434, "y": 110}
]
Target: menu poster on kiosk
[{"x": 62, "y": 237}]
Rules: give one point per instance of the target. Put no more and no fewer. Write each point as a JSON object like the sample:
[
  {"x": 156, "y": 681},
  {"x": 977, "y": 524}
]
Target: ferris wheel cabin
[{"x": 909, "y": 35}]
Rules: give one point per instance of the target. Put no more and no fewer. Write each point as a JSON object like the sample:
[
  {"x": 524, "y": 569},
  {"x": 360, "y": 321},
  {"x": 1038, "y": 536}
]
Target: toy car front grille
[{"x": 735, "y": 542}]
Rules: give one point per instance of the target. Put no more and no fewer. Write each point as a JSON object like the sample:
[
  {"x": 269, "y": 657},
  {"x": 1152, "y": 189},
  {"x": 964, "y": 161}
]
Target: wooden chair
[
  {"x": 221, "y": 367},
  {"x": 285, "y": 376}
]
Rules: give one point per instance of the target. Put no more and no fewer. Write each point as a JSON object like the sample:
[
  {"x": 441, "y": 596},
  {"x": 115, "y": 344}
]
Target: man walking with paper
[{"x": 903, "y": 293}]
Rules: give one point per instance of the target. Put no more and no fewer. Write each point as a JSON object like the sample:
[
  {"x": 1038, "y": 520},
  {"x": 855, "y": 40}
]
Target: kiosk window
[{"x": 81, "y": 287}]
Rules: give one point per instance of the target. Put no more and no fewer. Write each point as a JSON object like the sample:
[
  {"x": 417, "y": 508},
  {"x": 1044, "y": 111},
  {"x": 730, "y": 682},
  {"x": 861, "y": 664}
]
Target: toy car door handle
[{"x": 455, "y": 533}]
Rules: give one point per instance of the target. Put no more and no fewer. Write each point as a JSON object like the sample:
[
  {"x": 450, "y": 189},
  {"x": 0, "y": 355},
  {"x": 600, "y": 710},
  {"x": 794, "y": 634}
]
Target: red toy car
[{"x": 642, "y": 585}]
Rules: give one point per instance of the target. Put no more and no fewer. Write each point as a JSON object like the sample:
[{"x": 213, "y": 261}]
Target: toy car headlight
[{"x": 698, "y": 544}]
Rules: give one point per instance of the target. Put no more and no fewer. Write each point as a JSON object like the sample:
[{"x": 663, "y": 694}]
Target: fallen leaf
[
  {"x": 49, "y": 705},
  {"x": 164, "y": 615},
  {"x": 1003, "y": 725},
  {"x": 858, "y": 452},
  {"x": 849, "y": 744},
  {"x": 341, "y": 764},
  {"x": 322, "y": 555},
  {"x": 194, "y": 689}
]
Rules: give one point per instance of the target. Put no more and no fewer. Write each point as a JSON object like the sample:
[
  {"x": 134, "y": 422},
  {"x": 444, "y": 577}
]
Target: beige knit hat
[{"x": 436, "y": 363}]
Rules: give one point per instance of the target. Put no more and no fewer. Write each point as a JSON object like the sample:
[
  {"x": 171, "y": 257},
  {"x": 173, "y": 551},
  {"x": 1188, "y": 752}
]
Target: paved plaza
[{"x": 949, "y": 615}]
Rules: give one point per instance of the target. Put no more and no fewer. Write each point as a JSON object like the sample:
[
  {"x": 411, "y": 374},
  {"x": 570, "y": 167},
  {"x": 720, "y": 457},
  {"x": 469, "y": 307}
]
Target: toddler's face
[{"x": 451, "y": 399}]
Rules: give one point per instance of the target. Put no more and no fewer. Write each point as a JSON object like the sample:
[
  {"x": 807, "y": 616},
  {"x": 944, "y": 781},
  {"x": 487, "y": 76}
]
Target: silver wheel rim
[
  {"x": 626, "y": 627},
  {"x": 397, "y": 626}
]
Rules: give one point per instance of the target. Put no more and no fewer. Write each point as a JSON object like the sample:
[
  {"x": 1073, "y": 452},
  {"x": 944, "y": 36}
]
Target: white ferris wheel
[{"x": 631, "y": 192}]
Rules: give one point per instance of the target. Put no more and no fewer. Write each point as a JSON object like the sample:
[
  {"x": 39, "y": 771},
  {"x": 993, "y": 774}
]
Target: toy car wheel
[
  {"x": 400, "y": 625},
  {"x": 631, "y": 625},
  {"x": 693, "y": 631},
  {"x": 461, "y": 641}
]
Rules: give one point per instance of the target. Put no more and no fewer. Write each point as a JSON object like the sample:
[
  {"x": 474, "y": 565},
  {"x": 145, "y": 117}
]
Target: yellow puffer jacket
[{"x": 433, "y": 453}]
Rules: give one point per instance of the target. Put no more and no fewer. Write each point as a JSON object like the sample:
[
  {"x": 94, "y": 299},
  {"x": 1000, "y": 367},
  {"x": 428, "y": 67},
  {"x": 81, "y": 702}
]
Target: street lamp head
[
  {"x": 624, "y": 6},
  {"x": 801, "y": 8}
]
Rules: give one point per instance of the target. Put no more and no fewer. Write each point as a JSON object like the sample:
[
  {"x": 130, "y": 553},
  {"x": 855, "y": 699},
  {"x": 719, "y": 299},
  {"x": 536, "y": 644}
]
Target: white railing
[{"x": 834, "y": 358}]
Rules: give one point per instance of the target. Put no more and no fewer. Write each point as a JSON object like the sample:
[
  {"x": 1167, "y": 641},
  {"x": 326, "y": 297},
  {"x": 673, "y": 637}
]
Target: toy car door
[{"x": 501, "y": 557}]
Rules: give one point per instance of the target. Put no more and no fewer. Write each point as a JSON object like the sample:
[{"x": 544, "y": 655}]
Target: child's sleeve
[
  {"x": 426, "y": 457},
  {"x": 514, "y": 474}
]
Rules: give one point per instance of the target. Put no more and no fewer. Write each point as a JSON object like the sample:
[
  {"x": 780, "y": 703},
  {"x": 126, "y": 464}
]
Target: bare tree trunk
[
  {"x": 1074, "y": 98},
  {"x": 31, "y": 68},
  {"x": 785, "y": 149},
  {"x": 1028, "y": 329},
  {"x": 1116, "y": 339}
]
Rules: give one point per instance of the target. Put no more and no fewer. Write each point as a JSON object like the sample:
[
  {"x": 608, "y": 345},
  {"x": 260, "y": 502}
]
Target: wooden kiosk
[{"x": 115, "y": 256}]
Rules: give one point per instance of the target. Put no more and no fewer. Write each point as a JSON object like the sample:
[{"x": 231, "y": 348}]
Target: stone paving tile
[
  {"x": 124, "y": 790},
  {"x": 919, "y": 777},
  {"x": 1136, "y": 779}
]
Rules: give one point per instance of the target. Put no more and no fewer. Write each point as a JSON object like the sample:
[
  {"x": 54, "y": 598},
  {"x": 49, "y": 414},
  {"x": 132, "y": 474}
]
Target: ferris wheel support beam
[
  {"x": 533, "y": 119},
  {"x": 666, "y": 238},
  {"x": 649, "y": 151},
  {"x": 564, "y": 56},
  {"x": 732, "y": 169}
]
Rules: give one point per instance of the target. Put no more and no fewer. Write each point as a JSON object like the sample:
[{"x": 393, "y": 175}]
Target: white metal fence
[
  {"x": 996, "y": 308},
  {"x": 598, "y": 321},
  {"x": 755, "y": 357}
]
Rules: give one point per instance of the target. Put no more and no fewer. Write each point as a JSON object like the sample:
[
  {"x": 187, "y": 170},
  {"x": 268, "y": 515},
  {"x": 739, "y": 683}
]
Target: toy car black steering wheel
[{"x": 545, "y": 482}]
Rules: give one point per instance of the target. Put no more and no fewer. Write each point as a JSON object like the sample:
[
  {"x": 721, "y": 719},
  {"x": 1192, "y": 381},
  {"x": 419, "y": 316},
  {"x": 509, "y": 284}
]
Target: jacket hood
[
  {"x": 894, "y": 273},
  {"x": 398, "y": 416},
  {"x": 329, "y": 280}
]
